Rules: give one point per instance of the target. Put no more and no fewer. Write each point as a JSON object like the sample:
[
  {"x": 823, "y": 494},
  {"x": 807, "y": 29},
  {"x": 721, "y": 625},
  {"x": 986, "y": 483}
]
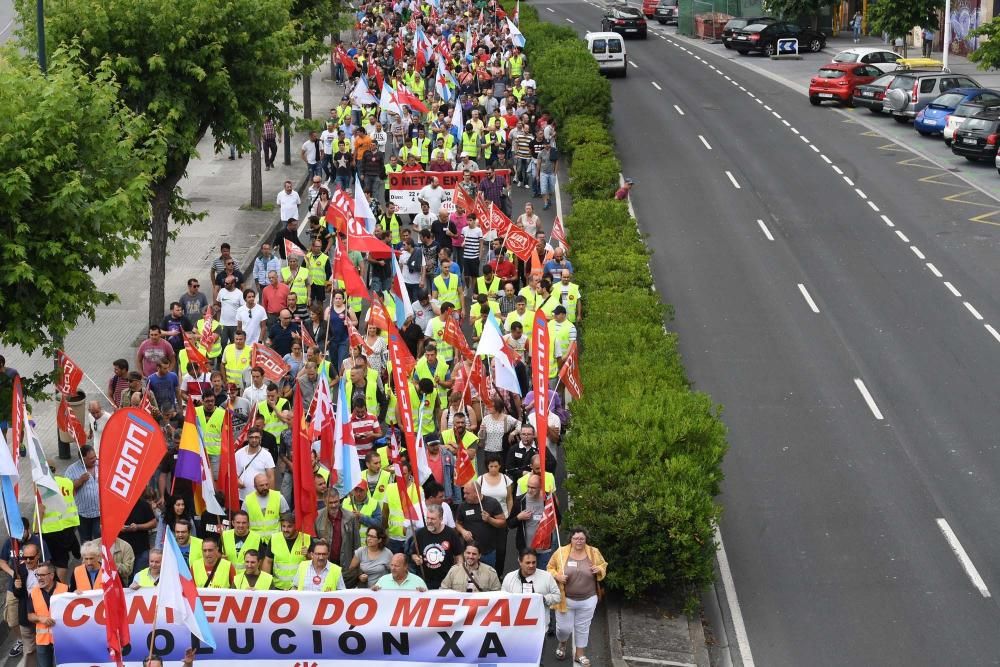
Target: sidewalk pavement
[
  {"x": 213, "y": 184},
  {"x": 654, "y": 632}
]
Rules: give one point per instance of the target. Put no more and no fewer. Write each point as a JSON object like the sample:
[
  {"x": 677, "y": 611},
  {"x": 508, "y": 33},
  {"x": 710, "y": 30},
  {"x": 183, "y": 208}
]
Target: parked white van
[{"x": 608, "y": 48}]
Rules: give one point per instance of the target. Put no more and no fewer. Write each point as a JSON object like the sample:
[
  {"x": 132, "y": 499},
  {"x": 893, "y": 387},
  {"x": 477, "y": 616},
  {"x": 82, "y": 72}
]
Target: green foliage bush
[{"x": 644, "y": 449}]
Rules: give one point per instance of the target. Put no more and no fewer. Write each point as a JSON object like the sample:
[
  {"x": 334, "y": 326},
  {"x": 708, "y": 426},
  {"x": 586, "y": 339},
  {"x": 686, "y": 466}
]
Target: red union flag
[
  {"x": 462, "y": 199},
  {"x": 340, "y": 210},
  {"x": 453, "y": 336},
  {"x": 520, "y": 242},
  {"x": 16, "y": 417},
  {"x": 543, "y": 534},
  {"x": 270, "y": 361},
  {"x": 70, "y": 374},
  {"x": 293, "y": 249},
  {"x": 559, "y": 232},
  {"x": 360, "y": 239},
  {"x": 194, "y": 355},
  {"x": 569, "y": 374},
  {"x": 67, "y": 422},
  {"x": 540, "y": 380},
  {"x": 499, "y": 222}
]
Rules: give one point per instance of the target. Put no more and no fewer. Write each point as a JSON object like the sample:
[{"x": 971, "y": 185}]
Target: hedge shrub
[{"x": 645, "y": 450}]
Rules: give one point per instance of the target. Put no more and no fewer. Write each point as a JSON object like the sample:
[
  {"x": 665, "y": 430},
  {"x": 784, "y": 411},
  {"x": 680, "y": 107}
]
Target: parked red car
[{"x": 836, "y": 82}]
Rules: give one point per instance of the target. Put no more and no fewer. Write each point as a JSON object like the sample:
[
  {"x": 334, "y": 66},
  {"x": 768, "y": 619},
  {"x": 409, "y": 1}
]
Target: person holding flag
[{"x": 533, "y": 529}]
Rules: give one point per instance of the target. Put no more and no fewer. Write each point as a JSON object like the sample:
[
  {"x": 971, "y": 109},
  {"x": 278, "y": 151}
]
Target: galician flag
[
  {"x": 515, "y": 35},
  {"x": 176, "y": 591}
]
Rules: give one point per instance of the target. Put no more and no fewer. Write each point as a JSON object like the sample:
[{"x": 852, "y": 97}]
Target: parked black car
[
  {"x": 977, "y": 137},
  {"x": 739, "y": 23},
  {"x": 871, "y": 96},
  {"x": 665, "y": 12},
  {"x": 626, "y": 21},
  {"x": 763, "y": 38}
]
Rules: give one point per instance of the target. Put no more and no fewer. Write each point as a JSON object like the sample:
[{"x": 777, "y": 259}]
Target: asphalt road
[{"x": 858, "y": 386}]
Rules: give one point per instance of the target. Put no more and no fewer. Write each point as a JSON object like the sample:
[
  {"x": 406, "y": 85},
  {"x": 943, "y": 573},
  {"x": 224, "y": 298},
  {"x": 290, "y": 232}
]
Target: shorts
[
  {"x": 10, "y": 613},
  {"x": 470, "y": 268},
  {"x": 547, "y": 183}
]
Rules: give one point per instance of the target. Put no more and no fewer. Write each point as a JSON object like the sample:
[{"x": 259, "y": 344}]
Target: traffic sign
[{"x": 788, "y": 46}]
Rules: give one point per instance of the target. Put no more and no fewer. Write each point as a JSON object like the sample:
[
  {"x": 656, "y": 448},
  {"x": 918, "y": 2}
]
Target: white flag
[{"x": 40, "y": 473}]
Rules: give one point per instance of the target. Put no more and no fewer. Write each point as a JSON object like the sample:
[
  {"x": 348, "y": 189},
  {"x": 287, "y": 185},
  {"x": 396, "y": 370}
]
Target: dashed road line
[
  {"x": 569, "y": 20},
  {"x": 972, "y": 309},
  {"x": 705, "y": 141},
  {"x": 963, "y": 558},
  {"x": 767, "y": 232},
  {"x": 865, "y": 394},
  {"x": 837, "y": 169},
  {"x": 848, "y": 180},
  {"x": 549, "y": 9},
  {"x": 809, "y": 300},
  {"x": 861, "y": 193},
  {"x": 933, "y": 269},
  {"x": 632, "y": 63},
  {"x": 873, "y": 206},
  {"x": 951, "y": 288},
  {"x": 916, "y": 251},
  {"x": 656, "y": 85},
  {"x": 902, "y": 237},
  {"x": 679, "y": 110},
  {"x": 733, "y": 180},
  {"x": 826, "y": 159},
  {"x": 993, "y": 332},
  {"x": 889, "y": 222}
]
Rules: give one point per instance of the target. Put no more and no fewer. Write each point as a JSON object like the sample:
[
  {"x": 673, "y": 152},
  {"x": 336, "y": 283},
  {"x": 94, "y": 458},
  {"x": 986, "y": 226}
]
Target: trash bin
[{"x": 78, "y": 405}]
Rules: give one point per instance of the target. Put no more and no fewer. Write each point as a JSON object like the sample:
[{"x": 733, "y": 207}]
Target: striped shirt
[
  {"x": 87, "y": 496},
  {"x": 269, "y": 133}
]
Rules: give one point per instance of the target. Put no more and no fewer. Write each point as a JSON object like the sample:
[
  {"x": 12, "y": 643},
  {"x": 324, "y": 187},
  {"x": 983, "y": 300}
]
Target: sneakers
[
  {"x": 16, "y": 650},
  {"x": 546, "y": 207}
]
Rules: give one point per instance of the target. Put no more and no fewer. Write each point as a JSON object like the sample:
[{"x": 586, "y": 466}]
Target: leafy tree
[
  {"x": 792, "y": 9},
  {"x": 75, "y": 171},
  {"x": 189, "y": 66},
  {"x": 987, "y": 56},
  {"x": 897, "y": 18},
  {"x": 313, "y": 19}
]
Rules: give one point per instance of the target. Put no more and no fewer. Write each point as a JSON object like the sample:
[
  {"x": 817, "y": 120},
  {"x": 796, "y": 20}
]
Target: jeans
[
  {"x": 314, "y": 169},
  {"x": 45, "y": 656},
  {"x": 928, "y": 47},
  {"x": 547, "y": 183},
  {"x": 228, "y": 335},
  {"x": 344, "y": 182},
  {"x": 857, "y": 33},
  {"x": 373, "y": 184},
  {"x": 89, "y": 528},
  {"x": 490, "y": 558},
  {"x": 328, "y": 169},
  {"x": 270, "y": 152}
]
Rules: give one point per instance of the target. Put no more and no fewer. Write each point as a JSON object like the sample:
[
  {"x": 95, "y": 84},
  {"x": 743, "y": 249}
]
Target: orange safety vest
[
  {"x": 43, "y": 633},
  {"x": 83, "y": 581}
]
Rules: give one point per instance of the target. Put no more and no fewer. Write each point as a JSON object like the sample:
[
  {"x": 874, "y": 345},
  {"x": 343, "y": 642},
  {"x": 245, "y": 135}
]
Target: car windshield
[
  {"x": 735, "y": 24},
  {"x": 831, "y": 73},
  {"x": 883, "y": 81},
  {"x": 977, "y": 124},
  {"x": 902, "y": 82},
  {"x": 629, "y": 11},
  {"x": 846, "y": 57},
  {"x": 756, "y": 27},
  {"x": 947, "y": 101},
  {"x": 966, "y": 110},
  {"x": 668, "y": 3}
]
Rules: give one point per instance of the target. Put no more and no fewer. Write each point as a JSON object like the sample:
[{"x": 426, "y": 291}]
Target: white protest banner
[
  {"x": 405, "y": 185},
  {"x": 351, "y": 628}
]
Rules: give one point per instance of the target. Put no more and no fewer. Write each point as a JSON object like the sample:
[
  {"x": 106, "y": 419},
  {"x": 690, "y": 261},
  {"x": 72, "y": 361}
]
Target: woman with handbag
[{"x": 578, "y": 568}]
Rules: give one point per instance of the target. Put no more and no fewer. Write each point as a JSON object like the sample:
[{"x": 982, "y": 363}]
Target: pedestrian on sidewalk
[
  {"x": 288, "y": 202},
  {"x": 270, "y": 139},
  {"x": 856, "y": 26},
  {"x": 312, "y": 155},
  {"x": 928, "y": 35},
  {"x": 578, "y": 568}
]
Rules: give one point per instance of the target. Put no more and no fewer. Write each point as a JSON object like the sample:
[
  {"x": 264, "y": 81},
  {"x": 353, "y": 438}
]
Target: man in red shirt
[
  {"x": 273, "y": 298},
  {"x": 364, "y": 426},
  {"x": 502, "y": 266}
]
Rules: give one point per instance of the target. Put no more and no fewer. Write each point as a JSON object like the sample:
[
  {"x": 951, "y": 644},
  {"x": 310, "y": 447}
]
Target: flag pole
[
  {"x": 416, "y": 483},
  {"x": 98, "y": 387},
  {"x": 38, "y": 521},
  {"x": 156, "y": 613}
]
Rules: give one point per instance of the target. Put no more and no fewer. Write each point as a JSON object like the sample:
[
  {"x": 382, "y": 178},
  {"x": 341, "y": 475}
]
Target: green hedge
[{"x": 645, "y": 450}]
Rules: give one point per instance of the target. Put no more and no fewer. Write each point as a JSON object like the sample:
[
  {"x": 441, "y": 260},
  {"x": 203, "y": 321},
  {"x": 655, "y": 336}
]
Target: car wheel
[
  {"x": 874, "y": 110},
  {"x": 742, "y": 52},
  {"x": 769, "y": 49},
  {"x": 813, "y": 100},
  {"x": 849, "y": 102},
  {"x": 924, "y": 133},
  {"x": 661, "y": 22},
  {"x": 727, "y": 45},
  {"x": 816, "y": 45},
  {"x": 971, "y": 159},
  {"x": 901, "y": 119},
  {"x": 644, "y": 35}
]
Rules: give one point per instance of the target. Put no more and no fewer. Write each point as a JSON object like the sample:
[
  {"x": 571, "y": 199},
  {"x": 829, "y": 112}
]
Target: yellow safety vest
[
  {"x": 317, "y": 267},
  {"x": 422, "y": 148},
  {"x": 216, "y": 346},
  {"x": 368, "y": 509},
  {"x": 516, "y": 65},
  {"x": 329, "y": 583},
  {"x": 263, "y": 523},
  {"x": 272, "y": 423},
  {"x": 531, "y": 296},
  {"x": 264, "y": 581},
  {"x": 55, "y": 520},
  {"x": 489, "y": 290},
  {"x": 448, "y": 289},
  {"x": 468, "y": 440},
  {"x": 371, "y": 391},
  {"x": 494, "y": 136},
  {"x": 397, "y": 519},
  {"x": 383, "y": 482},
  {"x": 194, "y": 554},
  {"x": 527, "y": 320},
  {"x": 470, "y": 143},
  {"x": 392, "y": 225},
  {"x": 557, "y": 332},
  {"x": 234, "y": 555},
  {"x": 522, "y": 483},
  {"x": 390, "y": 170},
  {"x": 475, "y": 311},
  {"x": 569, "y": 296},
  {"x": 549, "y": 304},
  {"x": 286, "y": 561},
  {"x": 211, "y": 429},
  {"x": 423, "y": 371},
  {"x": 220, "y": 579},
  {"x": 145, "y": 579},
  {"x": 236, "y": 361},
  {"x": 298, "y": 284}
]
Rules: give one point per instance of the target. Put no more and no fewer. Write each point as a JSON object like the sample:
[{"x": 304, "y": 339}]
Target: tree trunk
[
  {"x": 333, "y": 65},
  {"x": 256, "y": 182},
  {"x": 159, "y": 233},
  {"x": 306, "y": 89}
]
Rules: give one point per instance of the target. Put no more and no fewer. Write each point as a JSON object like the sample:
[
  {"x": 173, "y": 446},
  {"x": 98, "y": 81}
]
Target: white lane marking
[
  {"x": 865, "y": 394},
  {"x": 705, "y": 141},
  {"x": 767, "y": 232},
  {"x": 902, "y": 236},
  {"x": 570, "y": 21},
  {"x": 951, "y": 288},
  {"x": 739, "y": 627},
  {"x": 934, "y": 270},
  {"x": 809, "y": 299},
  {"x": 804, "y": 139},
  {"x": 767, "y": 107},
  {"x": 794, "y": 131},
  {"x": 662, "y": 37},
  {"x": 750, "y": 93},
  {"x": 837, "y": 169},
  {"x": 733, "y": 179},
  {"x": 813, "y": 147},
  {"x": 876, "y": 209},
  {"x": 848, "y": 181},
  {"x": 972, "y": 309},
  {"x": 743, "y": 89},
  {"x": 759, "y": 101},
  {"x": 656, "y": 85},
  {"x": 826, "y": 159},
  {"x": 786, "y": 123},
  {"x": 632, "y": 63},
  {"x": 861, "y": 193},
  {"x": 916, "y": 251},
  {"x": 679, "y": 110},
  {"x": 727, "y": 77},
  {"x": 776, "y": 115},
  {"x": 993, "y": 332},
  {"x": 963, "y": 558},
  {"x": 549, "y": 9},
  {"x": 887, "y": 221}
]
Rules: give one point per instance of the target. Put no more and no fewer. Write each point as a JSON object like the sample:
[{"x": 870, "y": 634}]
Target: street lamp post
[
  {"x": 288, "y": 136},
  {"x": 40, "y": 29},
  {"x": 946, "y": 45}
]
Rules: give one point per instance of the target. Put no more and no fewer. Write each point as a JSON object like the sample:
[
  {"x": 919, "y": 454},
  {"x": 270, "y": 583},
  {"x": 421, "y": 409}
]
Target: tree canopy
[
  {"x": 76, "y": 166},
  {"x": 189, "y": 66},
  {"x": 987, "y": 56},
  {"x": 897, "y": 18}
]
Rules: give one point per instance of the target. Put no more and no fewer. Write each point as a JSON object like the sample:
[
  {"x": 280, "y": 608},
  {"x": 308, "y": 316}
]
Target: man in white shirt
[
  {"x": 328, "y": 136},
  {"x": 312, "y": 154},
  {"x": 288, "y": 202},
  {"x": 251, "y": 461},
  {"x": 527, "y": 578},
  {"x": 257, "y": 391},
  {"x": 250, "y": 316},
  {"x": 230, "y": 299},
  {"x": 312, "y": 576},
  {"x": 96, "y": 422},
  {"x": 433, "y": 194},
  {"x": 424, "y": 219}
]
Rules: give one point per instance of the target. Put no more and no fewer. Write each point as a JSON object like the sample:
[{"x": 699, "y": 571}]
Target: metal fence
[{"x": 714, "y": 14}]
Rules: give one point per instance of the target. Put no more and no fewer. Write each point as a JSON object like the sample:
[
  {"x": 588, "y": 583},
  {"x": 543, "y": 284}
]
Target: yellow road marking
[
  {"x": 932, "y": 179},
  {"x": 956, "y": 198},
  {"x": 982, "y": 218}
]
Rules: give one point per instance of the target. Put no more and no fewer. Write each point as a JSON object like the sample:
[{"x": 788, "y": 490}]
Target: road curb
[
  {"x": 247, "y": 263},
  {"x": 613, "y": 611}
]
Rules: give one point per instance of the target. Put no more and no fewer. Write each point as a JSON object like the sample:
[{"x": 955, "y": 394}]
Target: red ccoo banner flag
[
  {"x": 540, "y": 350},
  {"x": 70, "y": 375},
  {"x": 569, "y": 374},
  {"x": 270, "y": 361}
]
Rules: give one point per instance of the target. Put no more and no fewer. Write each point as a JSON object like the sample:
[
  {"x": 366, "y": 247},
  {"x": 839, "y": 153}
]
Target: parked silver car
[{"x": 912, "y": 90}]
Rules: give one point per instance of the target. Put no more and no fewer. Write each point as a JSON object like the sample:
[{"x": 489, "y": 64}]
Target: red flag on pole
[
  {"x": 569, "y": 374},
  {"x": 559, "y": 232},
  {"x": 349, "y": 65},
  {"x": 293, "y": 249},
  {"x": 464, "y": 472},
  {"x": 463, "y": 201},
  {"x": 146, "y": 403},
  {"x": 409, "y": 509},
  {"x": 408, "y": 98},
  {"x": 355, "y": 339},
  {"x": 16, "y": 419},
  {"x": 228, "y": 474},
  {"x": 362, "y": 240},
  {"x": 520, "y": 242},
  {"x": 341, "y": 210},
  {"x": 270, "y": 361},
  {"x": 344, "y": 270},
  {"x": 543, "y": 534},
  {"x": 132, "y": 447},
  {"x": 378, "y": 316},
  {"x": 540, "y": 381},
  {"x": 304, "y": 491},
  {"x": 194, "y": 356},
  {"x": 453, "y": 336},
  {"x": 307, "y": 338},
  {"x": 68, "y": 423},
  {"x": 535, "y": 266},
  {"x": 499, "y": 222},
  {"x": 70, "y": 374}
]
